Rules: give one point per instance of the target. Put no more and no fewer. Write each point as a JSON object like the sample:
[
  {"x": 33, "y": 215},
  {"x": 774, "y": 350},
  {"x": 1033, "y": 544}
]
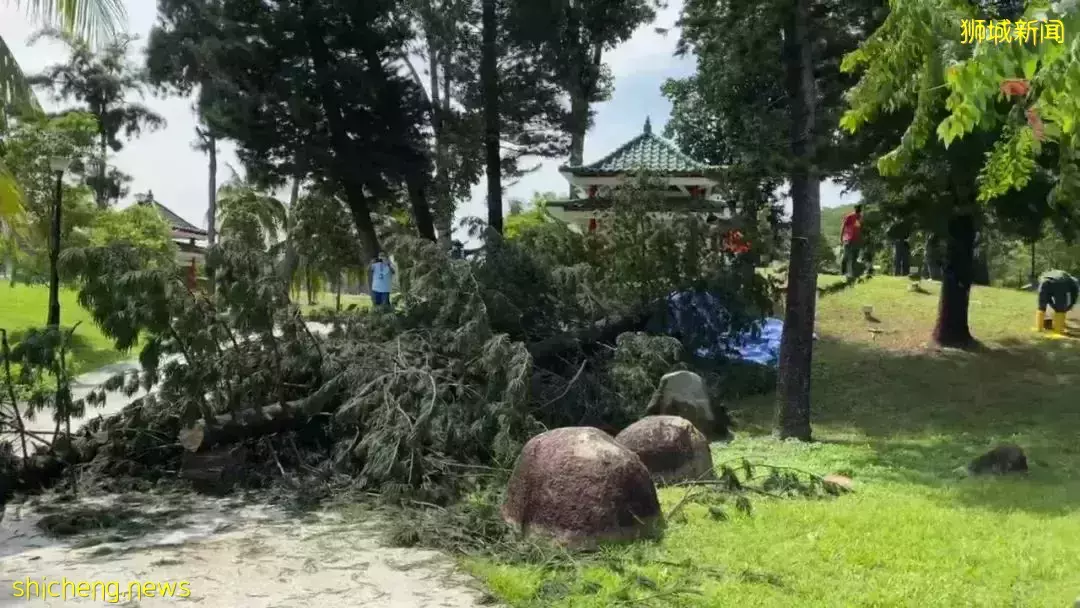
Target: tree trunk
[
  {"x": 581, "y": 90},
  {"x": 288, "y": 268},
  {"x": 7, "y": 236},
  {"x": 54, "y": 254},
  {"x": 1032, "y": 278},
  {"x": 211, "y": 194},
  {"x": 421, "y": 211},
  {"x": 99, "y": 192},
  {"x": 489, "y": 81},
  {"x": 310, "y": 281},
  {"x": 951, "y": 328},
  {"x": 344, "y": 150},
  {"x": 337, "y": 291},
  {"x": 443, "y": 207},
  {"x": 797, "y": 340}
]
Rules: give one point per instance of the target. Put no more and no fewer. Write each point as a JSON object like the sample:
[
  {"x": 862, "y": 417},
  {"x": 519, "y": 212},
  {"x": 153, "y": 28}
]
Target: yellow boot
[
  {"x": 1059, "y": 323},
  {"x": 1040, "y": 320}
]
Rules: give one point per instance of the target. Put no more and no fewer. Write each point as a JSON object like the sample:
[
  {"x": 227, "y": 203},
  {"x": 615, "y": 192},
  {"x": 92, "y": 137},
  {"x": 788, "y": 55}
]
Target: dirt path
[{"x": 231, "y": 555}]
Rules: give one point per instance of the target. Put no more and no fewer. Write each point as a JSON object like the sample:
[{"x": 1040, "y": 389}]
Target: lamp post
[{"x": 58, "y": 164}]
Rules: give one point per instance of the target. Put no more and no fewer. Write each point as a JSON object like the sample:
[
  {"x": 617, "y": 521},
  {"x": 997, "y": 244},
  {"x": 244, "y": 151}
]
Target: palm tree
[
  {"x": 92, "y": 20},
  {"x": 245, "y": 212}
]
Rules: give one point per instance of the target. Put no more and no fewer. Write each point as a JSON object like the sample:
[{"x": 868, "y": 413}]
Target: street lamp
[{"x": 58, "y": 164}]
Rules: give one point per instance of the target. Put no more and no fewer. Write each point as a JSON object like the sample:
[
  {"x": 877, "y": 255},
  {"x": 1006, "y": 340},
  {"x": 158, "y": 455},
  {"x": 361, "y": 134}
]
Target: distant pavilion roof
[
  {"x": 182, "y": 228},
  {"x": 646, "y": 152},
  {"x": 604, "y": 203}
]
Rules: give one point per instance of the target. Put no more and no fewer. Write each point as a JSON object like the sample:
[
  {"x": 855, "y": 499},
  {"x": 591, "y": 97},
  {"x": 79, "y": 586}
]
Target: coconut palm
[{"x": 92, "y": 20}]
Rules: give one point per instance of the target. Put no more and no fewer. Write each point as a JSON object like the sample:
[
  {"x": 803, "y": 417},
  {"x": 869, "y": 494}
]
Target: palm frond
[
  {"x": 95, "y": 21},
  {"x": 11, "y": 198}
]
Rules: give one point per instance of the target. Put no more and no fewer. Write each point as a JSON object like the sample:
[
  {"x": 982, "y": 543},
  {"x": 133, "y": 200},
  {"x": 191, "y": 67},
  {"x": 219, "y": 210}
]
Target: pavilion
[
  {"x": 688, "y": 184},
  {"x": 188, "y": 237}
]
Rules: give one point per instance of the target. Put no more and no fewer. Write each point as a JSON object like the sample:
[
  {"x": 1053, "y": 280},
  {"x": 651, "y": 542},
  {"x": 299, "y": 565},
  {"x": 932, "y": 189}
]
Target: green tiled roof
[{"x": 646, "y": 152}]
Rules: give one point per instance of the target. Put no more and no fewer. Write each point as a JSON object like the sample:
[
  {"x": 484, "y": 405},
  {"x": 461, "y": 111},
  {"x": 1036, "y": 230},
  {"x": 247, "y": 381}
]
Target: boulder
[
  {"x": 683, "y": 394},
  {"x": 1006, "y": 458},
  {"x": 670, "y": 447},
  {"x": 579, "y": 487}
]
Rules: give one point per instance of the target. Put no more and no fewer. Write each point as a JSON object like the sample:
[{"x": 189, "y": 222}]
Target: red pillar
[{"x": 192, "y": 276}]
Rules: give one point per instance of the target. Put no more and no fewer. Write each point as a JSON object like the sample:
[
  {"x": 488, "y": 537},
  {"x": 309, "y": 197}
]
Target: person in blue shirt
[{"x": 380, "y": 278}]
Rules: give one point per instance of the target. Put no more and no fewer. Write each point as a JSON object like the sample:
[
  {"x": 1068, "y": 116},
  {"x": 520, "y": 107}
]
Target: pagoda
[{"x": 686, "y": 182}]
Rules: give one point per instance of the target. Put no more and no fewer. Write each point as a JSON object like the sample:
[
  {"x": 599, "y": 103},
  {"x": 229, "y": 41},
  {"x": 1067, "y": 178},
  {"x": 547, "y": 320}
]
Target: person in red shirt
[{"x": 851, "y": 238}]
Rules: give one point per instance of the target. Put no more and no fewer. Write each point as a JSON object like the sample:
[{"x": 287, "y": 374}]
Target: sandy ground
[{"x": 232, "y": 555}]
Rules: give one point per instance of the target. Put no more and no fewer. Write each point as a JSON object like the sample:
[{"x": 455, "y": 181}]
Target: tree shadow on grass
[{"x": 925, "y": 415}]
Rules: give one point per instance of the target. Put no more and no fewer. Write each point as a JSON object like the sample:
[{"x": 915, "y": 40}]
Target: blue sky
[{"x": 165, "y": 162}]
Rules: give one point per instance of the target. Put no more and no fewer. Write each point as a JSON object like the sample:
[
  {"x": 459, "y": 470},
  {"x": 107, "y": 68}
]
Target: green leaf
[{"x": 1029, "y": 67}]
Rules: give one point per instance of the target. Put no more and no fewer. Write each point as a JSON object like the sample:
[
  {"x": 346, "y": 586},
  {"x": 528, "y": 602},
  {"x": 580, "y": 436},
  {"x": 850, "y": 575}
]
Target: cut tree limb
[
  {"x": 247, "y": 423},
  {"x": 587, "y": 339}
]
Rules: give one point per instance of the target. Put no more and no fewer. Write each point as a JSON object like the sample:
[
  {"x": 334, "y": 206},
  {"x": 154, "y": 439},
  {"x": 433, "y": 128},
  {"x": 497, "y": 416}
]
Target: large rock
[
  {"x": 580, "y": 487},
  {"x": 683, "y": 394},
  {"x": 1005, "y": 458},
  {"x": 671, "y": 447}
]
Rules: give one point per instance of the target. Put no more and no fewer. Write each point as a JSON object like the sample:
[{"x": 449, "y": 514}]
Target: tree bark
[
  {"x": 421, "y": 211},
  {"x": 99, "y": 192},
  {"x": 54, "y": 254},
  {"x": 211, "y": 193},
  {"x": 797, "y": 340},
  {"x": 337, "y": 291},
  {"x": 288, "y": 268},
  {"x": 951, "y": 328},
  {"x": 1032, "y": 278},
  {"x": 344, "y": 150},
  {"x": 489, "y": 81}
]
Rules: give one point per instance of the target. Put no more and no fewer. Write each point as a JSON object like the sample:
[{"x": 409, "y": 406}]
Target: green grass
[
  {"x": 23, "y": 307},
  {"x": 326, "y": 299},
  {"x": 899, "y": 417}
]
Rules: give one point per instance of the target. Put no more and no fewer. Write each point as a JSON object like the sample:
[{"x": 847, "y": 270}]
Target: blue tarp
[
  {"x": 765, "y": 348},
  {"x": 695, "y": 316}
]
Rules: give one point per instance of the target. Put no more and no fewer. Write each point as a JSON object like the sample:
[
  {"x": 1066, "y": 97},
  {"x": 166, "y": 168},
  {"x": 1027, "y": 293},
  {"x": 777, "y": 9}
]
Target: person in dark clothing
[
  {"x": 899, "y": 233},
  {"x": 1058, "y": 290}
]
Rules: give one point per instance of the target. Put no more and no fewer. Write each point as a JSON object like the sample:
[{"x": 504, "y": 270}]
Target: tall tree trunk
[
  {"x": 100, "y": 191},
  {"x": 444, "y": 216},
  {"x": 288, "y": 265},
  {"x": 337, "y": 291},
  {"x": 581, "y": 90},
  {"x": 310, "y": 281},
  {"x": 443, "y": 206},
  {"x": 7, "y": 237},
  {"x": 1032, "y": 278},
  {"x": 421, "y": 211},
  {"x": 951, "y": 328},
  {"x": 54, "y": 254},
  {"x": 344, "y": 150},
  {"x": 211, "y": 190},
  {"x": 489, "y": 81},
  {"x": 797, "y": 340}
]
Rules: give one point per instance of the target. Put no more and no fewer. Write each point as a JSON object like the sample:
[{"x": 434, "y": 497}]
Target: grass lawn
[
  {"x": 899, "y": 418},
  {"x": 23, "y": 307},
  {"x": 326, "y": 299}
]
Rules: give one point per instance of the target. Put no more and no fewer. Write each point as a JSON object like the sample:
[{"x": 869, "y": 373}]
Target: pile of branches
[{"x": 550, "y": 329}]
